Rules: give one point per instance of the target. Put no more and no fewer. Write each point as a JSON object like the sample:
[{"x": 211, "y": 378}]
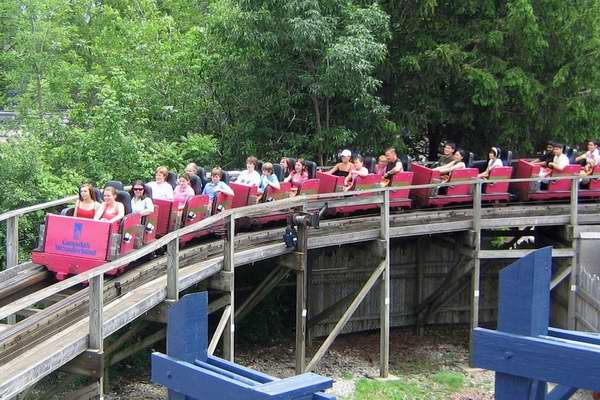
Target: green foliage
[{"x": 441, "y": 386}]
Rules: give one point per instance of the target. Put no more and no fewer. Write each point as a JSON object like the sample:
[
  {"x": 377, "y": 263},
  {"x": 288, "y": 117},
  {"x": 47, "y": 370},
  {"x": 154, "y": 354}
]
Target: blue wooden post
[
  {"x": 190, "y": 373},
  {"x": 524, "y": 352},
  {"x": 524, "y": 307}
]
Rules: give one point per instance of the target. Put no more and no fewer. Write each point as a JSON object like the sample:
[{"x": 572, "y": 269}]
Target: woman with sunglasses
[{"x": 140, "y": 202}]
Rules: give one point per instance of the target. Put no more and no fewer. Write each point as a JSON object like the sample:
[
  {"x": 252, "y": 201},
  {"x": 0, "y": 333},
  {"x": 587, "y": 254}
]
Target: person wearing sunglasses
[{"x": 140, "y": 202}]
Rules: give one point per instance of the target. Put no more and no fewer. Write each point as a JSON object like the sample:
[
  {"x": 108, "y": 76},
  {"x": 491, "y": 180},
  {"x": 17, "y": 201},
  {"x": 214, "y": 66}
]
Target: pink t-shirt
[
  {"x": 298, "y": 179},
  {"x": 181, "y": 194}
]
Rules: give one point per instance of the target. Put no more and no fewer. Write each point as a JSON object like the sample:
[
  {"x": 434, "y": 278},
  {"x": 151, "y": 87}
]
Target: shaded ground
[{"x": 431, "y": 367}]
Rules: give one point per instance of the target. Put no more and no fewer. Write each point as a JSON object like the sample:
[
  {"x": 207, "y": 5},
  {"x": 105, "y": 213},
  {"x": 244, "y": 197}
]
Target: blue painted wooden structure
[
  {"x": 524, "y": 351},
  {"x": 190, "y": 373}
]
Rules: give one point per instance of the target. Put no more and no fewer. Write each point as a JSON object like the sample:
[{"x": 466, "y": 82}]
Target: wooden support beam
[
  {"x": 557, "y": 253},
  {"x": 560, "y": 277},
  {"x": 384, "y": 300},
  {"x": 137, "y": 347},
  {"x": 90, "y": 392},
  {"x": 173, "y": 270},
  {"x": 90, "y": 364},
  {"x": 264, "y": 288},
  {"x": 373, "y": 279},
  {"x": 420, "y": 292},
  {"x": 333, "y": 309},
  {"x": 216, "y": 305},
  {"x": 225, "y": 317},
  {"x": 573, "y": 276},
  {"x": 96, "y": 322},
  {"x": 229, "y": 266},
  {"x": 301, "y": 293},
  {"x": 223, "y": 281}
]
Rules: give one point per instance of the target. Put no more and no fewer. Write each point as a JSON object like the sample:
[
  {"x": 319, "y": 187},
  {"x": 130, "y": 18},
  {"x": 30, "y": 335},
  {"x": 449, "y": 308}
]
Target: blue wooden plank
[
  {"x": 198, "y": 383},
  {"x": 584, "y": 337},
  {"x": 524, "y": 302},
  {"x": 294, "y": 387},
  {"x": 524, "y": 306},
  {"x": 226, "y": 373},
  {"x": 548, "y": 360},
  {"x": 323, "y": 396},
  {"x": 240, "y": 370},
  {"x": 187, "y": 332},
  {"x": 561, "y": 392}
]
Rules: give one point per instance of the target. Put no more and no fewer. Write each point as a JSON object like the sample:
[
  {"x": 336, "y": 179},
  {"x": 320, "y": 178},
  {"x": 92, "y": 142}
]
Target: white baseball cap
[{"x": 346, "y": 153}]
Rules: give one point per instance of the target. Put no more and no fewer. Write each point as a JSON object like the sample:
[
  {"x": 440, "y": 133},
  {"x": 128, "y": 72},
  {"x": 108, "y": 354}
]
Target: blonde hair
[
  {"x": 164, "y": 171},
  {"x": 267, "y": 167}
]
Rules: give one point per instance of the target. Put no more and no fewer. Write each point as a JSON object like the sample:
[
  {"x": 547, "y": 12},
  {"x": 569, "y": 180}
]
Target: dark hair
[
  {"x": 560, "y": 145},
  {"x": 591, "y": 141},
  {"x": 451, "y": 144},
  {"x": 135, "y": 183},
  {"x": 216, "y": 171},
  {"x": 186, "y": 177},
  {"x": 90, "y": 188},
  {"x": 301, "y": 161},
  {"x": 551, "y": 143},
  {"x": 392, "y": 149},
  {"x": 288, "y": 163},
  {"x": 358, "y": 158},
  {"x": 461, "y": 152}
]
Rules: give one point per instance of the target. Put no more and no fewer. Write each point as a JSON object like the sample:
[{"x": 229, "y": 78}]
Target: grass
[{"x": 435, "y": 387}]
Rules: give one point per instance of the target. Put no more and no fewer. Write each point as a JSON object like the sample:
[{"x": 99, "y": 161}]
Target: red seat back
[
  {"x": 164, "y": 215},
  {"x": 196, "y": 210},
  {"x": 151, "y": 222},
  {"x": 563, "y": 185},
  {"x": 309, "y": 187},
  {"x": 371, "y": 181},
  {"x": 222, "y": 202},
  {"x": 525, "y": 169},
  {"x": 279, "y": 194},
  {"x": 498, "y": 173},
  {"x": 595, "y": 183},
  {"x": 461, "y": 175},
  {"x": 129, "y": 232},
  {"x": 241, "y": 193},
  {"x": 330, "y": 183},
  {"x": 423, "y": 176},
  {"x": 400, "y": 180}
]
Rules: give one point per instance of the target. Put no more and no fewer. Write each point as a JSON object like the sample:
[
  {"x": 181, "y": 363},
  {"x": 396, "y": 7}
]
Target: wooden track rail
[{"x": 102, "y": 319}]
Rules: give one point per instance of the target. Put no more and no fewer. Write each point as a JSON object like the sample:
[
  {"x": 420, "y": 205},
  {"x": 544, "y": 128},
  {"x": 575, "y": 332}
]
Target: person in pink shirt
[
  {"x": 183, "y": 191},
  {"x": 297, "y": 176},
  {"x": 381, "y": 165}
]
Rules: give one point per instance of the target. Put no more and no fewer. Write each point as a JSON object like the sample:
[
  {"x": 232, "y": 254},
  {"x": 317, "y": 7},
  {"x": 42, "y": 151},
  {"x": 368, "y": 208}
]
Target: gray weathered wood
[
  {"x": 518, "y": 253},
  {"x": 301, "y": 293},
  {"x": 346, "y": 317},
  {"x": 574, "y": 202},
  {"x": 229, "y": 266},
  {"x": 575, "y": 272},
  {"x": 173, "y": 270},
  {"x": 384, "y": 303},
  {"x": 560, "y": 277},
  {"x": 12, "y": 242},
  {"x": 96, "y": 293},
  {"x": 225, "y": 317}
]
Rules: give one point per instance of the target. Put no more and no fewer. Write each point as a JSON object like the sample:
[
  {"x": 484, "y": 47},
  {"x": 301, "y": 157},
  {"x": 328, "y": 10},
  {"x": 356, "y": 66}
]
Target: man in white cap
[{"x": 345, "y": 167}]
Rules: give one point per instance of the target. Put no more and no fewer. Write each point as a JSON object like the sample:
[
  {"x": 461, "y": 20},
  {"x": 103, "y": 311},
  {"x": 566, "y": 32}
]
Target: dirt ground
[{"x": 351, "y": 358}]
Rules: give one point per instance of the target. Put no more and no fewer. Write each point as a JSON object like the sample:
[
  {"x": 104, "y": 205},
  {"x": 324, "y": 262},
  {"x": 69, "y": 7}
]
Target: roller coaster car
[
  {"x": 555, "y": 189},
  {"x": 455, "y": 194},
  {"x": 497, "y": 191},
  {"x": 73, "y": 245}
]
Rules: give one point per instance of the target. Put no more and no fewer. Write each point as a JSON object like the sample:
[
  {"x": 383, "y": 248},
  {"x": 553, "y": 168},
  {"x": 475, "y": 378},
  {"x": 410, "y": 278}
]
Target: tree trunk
[
  {"x": 39, "y": 94},
  {"x": 319, "y": 130}
]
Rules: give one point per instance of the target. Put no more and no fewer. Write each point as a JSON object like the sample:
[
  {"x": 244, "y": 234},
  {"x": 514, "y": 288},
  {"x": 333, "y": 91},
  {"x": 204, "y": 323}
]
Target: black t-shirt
[{"x": 391, "y": 165}]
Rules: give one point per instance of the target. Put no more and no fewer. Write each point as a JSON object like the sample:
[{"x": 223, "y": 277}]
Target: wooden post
[
  {"x": 575, "y": 259},
  {"x": 384, "y": 304},
  {"x": 229, "y": 266},
  {"x": 475, "y": 281},
  {"x": 420, "y": 330},
  {"x": 12, "y": 252},
  {"x": 12, "y": 242},
  {"x": 96, "y": 335},
  {"x": 301, "y": 309},
  {"x": 173, "y": 270}
]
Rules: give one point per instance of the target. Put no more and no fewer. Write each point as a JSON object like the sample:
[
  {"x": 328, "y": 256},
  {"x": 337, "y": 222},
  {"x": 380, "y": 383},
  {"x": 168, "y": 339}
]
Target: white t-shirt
[
  {"x": 494, "y": 164},
  {"x": 248, "y": 178},
  {"x": 561, "y": 161},
  {"x": 161, "y": 191},
  {"x": 592, "y": 156},
  {"x": 141, "y": 205}
]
